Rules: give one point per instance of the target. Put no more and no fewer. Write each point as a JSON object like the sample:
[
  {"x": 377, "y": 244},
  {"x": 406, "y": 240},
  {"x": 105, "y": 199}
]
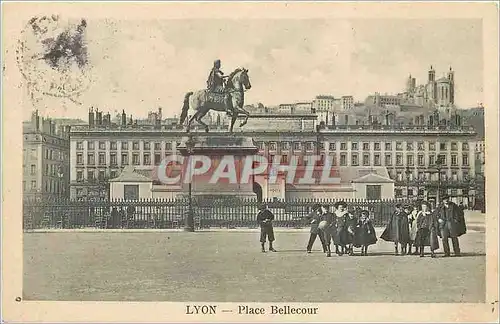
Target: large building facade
[
  {"x": 421, "y": 159},
  {"x": 46, "y": 151},
  {"x": 418, "y": 160}
]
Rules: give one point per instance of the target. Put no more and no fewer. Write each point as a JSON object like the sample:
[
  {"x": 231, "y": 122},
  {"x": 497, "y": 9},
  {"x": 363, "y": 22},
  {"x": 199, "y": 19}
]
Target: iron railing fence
[{"x": 172, "y": 213}]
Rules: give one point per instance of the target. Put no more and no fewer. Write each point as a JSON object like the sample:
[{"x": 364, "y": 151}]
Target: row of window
[
  {"x": 48, "y": 154},
  {"x": 421, "y": 192},
  {"x": 454, "y": 176},
  {"x": 45, "y": 139},
  {"x": 113, "y": 145},
  {"x": 388, "y": 161},
  {"x": 93, "y": 175},
  {"x": 50, "y": 170},
  {"x": 410, "y": 160},
  {"x": 51, "y": 186},
  {"x": 366, "y": 159},
  {"x": 367, "y": 146},
  {"x": 124, "y": 159},
  {"x": 400, "y": 176}
]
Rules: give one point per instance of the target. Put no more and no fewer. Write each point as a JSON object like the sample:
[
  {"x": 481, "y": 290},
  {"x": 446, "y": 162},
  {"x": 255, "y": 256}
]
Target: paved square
[{"x": 228, "y": 266}]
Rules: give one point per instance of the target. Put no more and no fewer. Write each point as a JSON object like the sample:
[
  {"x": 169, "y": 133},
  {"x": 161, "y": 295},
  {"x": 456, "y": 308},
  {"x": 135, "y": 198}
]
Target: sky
[{"x": 142, "y": 65}]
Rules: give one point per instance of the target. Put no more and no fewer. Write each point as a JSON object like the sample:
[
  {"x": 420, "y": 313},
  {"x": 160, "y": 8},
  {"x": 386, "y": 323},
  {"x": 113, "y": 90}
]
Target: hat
[
  {"x": 398, "y": 206},
  {"x": 425, "y": 203},
  {"x": 365, "y": 212},
  {"x": 263, "y": 206},
  {"x": 445, "y": 197},
  {"x": 340, "y": 203},
  {"x": 316, "y": 206}
]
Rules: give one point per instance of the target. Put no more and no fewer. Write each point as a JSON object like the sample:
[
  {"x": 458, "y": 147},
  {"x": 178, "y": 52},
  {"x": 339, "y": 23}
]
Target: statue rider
[{"x": 216, "y": 82}]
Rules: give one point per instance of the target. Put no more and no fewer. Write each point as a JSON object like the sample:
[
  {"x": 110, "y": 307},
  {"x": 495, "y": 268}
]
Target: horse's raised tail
[{"x": 185, "y": 107}]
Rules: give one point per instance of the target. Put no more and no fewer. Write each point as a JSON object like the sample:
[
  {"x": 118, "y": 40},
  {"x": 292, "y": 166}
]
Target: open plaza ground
[{"x": 223, "y": 266}]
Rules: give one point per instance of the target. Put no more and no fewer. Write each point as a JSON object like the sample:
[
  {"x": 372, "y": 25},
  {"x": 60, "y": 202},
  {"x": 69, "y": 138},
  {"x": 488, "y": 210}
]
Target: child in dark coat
[
  {"x": 265, "y": 219},
  {"x": 365, "y": 233}
]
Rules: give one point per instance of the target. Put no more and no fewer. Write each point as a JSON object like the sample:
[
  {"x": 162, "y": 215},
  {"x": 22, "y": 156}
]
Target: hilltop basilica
[{"x": 438, "y": 93}]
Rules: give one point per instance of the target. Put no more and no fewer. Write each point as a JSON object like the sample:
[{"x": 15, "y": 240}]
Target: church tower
[
  {"x": 432, "y": 75},
  {"x": 431, "y": 85},
  {"x": 451, "y": 78}
]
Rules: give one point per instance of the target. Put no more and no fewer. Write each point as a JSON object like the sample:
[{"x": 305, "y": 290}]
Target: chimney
[
  {"x": 45, "y": 126},
  {"x": 130, "y": 122},
  {"x": 124, "y": 118},
  {"x": 106, "y": 121},
  {"x": 160, "y": 113},
  {"x": 35, "y": 121},
  {"x": 91, "y": 117},
  {"x": 98, "y": 117}
]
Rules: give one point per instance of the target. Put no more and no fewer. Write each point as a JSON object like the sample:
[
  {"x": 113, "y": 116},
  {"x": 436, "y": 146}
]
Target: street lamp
[
  {"x": 189, "y": 226},
  {"x": 439, "y": 166},
  {"x": 408, "y": 172},
  {"x": 61, "y": 180}
]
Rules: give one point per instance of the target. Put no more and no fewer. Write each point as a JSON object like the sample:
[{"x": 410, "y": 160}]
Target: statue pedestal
[{"x": 215, "y": 147}]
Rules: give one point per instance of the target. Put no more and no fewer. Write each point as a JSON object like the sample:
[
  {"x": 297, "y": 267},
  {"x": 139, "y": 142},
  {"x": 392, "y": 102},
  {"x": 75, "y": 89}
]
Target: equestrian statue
[{"x": 223, "y": 93}]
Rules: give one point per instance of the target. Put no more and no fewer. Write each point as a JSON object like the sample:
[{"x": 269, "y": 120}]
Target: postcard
[{"x": 250, "y": 162}]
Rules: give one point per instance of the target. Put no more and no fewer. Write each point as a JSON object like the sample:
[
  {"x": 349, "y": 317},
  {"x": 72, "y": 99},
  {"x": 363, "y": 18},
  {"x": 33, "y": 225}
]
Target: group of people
[
  {"x": 411, "y": 228},
  {"x": 420, "y": 226},
  {"x": 342, "y": 227}
]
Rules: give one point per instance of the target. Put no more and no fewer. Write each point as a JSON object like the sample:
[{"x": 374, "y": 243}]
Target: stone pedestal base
[{"x": 215, "y": 147}]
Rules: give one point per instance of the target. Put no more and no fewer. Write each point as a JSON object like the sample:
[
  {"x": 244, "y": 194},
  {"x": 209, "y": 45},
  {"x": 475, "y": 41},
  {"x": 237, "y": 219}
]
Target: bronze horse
[{"x": 238, "y": 82}]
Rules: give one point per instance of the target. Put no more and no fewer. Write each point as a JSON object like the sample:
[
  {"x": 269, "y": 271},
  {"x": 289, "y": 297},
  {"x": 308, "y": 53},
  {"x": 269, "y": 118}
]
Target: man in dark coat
[
  {"x": 314, "y": 217},
  {"x": 265, "y": 219},
  {"x": 397, "y": 230},
  {"x": 451, "y": 225}
]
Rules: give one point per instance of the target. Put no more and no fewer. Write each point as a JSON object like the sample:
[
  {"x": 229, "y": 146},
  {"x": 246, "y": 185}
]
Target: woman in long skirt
[
  {"x": 343, "y": 231},
  {"x": 412, "y": 216},
  {"x": 426, "y": 230}
]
